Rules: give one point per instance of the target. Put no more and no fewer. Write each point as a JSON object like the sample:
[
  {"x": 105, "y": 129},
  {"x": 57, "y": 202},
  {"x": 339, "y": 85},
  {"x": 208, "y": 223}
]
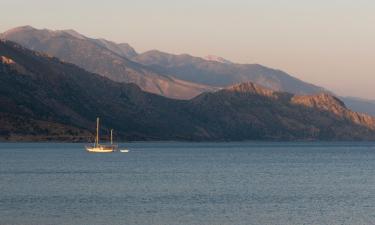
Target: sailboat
[{"x": 99, "y": 148}]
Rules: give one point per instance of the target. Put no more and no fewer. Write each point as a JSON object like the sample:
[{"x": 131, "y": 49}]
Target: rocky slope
[
  {"x": 102, "y": 57},
  {"x": 249, "y": 108},
  {"x": 329, "y": 103},
  {"x": 42, "y": 98}
]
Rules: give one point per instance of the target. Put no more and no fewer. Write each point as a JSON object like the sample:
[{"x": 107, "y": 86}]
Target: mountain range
[
  {"x": 102, "y": 57},
  {"x": 174, "y": 76},
  {"x": 44, "y": 98},
  {"x": 218, "y": 74}
]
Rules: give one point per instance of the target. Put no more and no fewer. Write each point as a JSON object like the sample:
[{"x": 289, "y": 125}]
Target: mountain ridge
[
  {"x": 199, "y": 70},
  {"x": 102, "y": 57}
]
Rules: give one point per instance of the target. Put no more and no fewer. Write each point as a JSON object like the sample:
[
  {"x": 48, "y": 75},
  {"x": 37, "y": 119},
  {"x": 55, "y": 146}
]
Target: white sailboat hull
[{"x": 101, "y": 149}]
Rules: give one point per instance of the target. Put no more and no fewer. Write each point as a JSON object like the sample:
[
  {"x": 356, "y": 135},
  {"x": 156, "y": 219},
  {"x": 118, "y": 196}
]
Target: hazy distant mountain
[
  {"x": 42, "y": 98},
  {"x": 212, "y": 72},
  {"x": 102, "y": 57}
]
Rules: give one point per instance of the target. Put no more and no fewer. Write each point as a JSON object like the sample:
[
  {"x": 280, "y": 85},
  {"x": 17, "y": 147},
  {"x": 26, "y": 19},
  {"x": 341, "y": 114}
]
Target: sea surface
[{"x": 188, "y": 183}]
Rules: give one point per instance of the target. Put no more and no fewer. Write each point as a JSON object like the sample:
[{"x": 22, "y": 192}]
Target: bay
[{"x": 166, "y": 183}]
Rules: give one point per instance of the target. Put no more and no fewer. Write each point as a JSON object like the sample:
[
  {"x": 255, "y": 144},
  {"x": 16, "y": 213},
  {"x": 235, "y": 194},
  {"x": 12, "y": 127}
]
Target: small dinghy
[{"x": 124, "y": 150}]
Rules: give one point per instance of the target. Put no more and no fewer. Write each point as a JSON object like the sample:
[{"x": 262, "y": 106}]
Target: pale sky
[{"x": 330, "y": 43}]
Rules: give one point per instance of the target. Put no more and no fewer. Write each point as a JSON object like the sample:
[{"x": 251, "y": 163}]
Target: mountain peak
[
  {"x": 250, "y": 87},
  {"x": 26, "y": 29},
  {"x": 217, "y": 59},
  {"x": 19, "y": 29},
  {"x": 321, "y": 101}
]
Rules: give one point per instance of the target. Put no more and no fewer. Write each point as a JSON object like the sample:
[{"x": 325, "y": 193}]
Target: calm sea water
[{"x": 184, "y": 183}]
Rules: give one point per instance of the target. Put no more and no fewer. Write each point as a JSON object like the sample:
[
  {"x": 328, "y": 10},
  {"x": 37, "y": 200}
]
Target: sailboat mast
[
  {"x": 97, "y": 131},
  {"x": 111, "y": 136}
]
